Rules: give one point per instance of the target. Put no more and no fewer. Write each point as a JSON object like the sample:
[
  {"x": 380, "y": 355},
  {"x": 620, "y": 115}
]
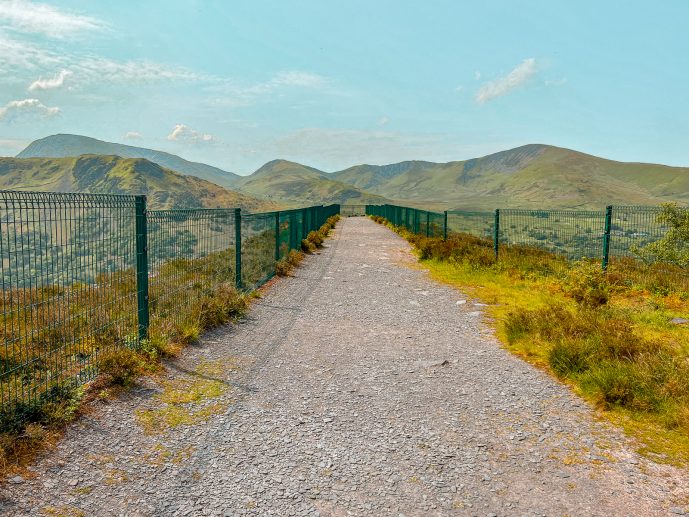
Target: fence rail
[
  {"x": 85, "y": 274},
  {"x": 610, "y": 235}
]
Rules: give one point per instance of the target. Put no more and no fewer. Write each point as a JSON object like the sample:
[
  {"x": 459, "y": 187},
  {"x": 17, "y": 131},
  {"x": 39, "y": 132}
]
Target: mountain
[
  {"x": 62, "y": 146},
  {"x": 115, "y": 175},
  {"x": 297, "y": 184},
  {"x": 531, "y": 176}
]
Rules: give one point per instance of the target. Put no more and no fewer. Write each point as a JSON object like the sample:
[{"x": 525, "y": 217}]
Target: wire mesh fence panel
[
  {"x": 258, "y": 248},
  {"x": 347, "y": 210},
  {"x": 572, "y": 234},
  {"x": 68, "y": 291},
  {"x": 632, "y": 228},
  {"x": 191, "y": 253},
  {"x": 478, "y": 224}
]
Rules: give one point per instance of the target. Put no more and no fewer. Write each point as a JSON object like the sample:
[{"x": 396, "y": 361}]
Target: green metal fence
[
  {"x": 349, "y": 210},
  {"x": 85, "y": 274},
  {"x": 608, "y": 235}
]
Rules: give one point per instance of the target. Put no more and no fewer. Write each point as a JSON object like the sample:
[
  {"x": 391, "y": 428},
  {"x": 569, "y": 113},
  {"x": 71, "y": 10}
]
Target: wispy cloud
[
  {"x": 26, "y": 106},
  {"x": 297, "y": 78},
  {"x": 383, "y": 121},
  {"x": 555, "y": 82},
  {"x": 18, "y": 55},
  {"x": 235, "y": 94},
  {"x": 132, "y": 135},
  {"x": 503, "y": 85},
  {"x": 37, "y": 18},
  {"x": 333, "y": 149},
  {"x": 183, "y": 133},
  {"x": 97, "y": 69},
  {"x": 50, "y": 83}
]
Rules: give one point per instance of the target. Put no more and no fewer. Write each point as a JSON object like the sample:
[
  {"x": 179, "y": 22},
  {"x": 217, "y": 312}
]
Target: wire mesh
[
  {"x": 573, "y": 234},
  {"x": 565, "y": 235},
  {"x": 258, "y": 248},
  {"x": 84, "y": 274},
  {"x": 68, "y": 290},
  {"x": 478, "y": 224},
  {"x": 191, "y": 253},
  {"x": 347, "y": 210}
]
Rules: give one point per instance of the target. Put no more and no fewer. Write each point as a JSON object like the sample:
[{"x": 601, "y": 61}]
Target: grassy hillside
[
  {"x": 531, "y": 176},
  {"x": 63, "y": 146},
  {"x": 296, "y": 184},
  {"x": 115, "y": 175}
]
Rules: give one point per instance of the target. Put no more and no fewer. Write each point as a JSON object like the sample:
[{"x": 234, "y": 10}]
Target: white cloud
[
  {"x": 383, "y": 120},
  {"x": 517, "y": 77},
  {"x": 27, "y": 106},
  {"x": 32, "y": 17},
  {"x": 296, "y": 78},
  {"x": 555, "y": 82},
  {"x": 106, "y": 70},
  {"x": 236, "y": 95},
  {"x": 133, "y": 135},
  {"x": 183, "y": 133},
  {"x": 16, "y": 54},
  {"x": 12, "y": 146},
  {"x": 339, "y": 148},
  {"x": 50, "y": 83}
]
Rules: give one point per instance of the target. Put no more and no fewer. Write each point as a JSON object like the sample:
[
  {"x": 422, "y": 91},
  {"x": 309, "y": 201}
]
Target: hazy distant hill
[
  {"x": 115, "y": 175},
  {"x": 62, "y": 146},
  {"x": 290, "y": 182},
  {"x": 531, "y": 176}
]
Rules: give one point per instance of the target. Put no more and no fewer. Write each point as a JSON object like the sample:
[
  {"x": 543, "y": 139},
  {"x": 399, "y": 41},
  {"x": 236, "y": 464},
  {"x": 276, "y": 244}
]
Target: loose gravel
[{"x": 357, "y": 387}]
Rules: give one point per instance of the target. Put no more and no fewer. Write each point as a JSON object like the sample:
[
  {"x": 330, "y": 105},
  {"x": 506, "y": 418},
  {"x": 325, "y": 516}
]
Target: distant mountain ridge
[
  {"x": 530, "y": 176},
  {"x": 116, "y": 175},
  {"x": 65, "y": 145},
  {"x": 293, "y": 183}
]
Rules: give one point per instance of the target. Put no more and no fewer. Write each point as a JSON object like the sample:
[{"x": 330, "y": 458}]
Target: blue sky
[{"x": 331, "y": 84}]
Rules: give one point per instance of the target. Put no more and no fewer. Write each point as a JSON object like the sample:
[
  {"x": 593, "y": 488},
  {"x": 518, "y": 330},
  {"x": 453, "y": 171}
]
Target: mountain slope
[
  {"x": 297, "y": 184},
  {"x": 115, "y": 175},
  {"x": 531, "y": 176},
  {"x": 62, "y": 146}
]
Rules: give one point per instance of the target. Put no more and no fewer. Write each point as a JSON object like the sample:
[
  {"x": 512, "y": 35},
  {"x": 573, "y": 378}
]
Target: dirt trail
[{"x": 358, "y": 387}]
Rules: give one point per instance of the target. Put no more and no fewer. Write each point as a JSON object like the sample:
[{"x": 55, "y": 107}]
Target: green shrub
[
  {"x": 588, "y": 284},
  {"x": 121, "y": 366}
]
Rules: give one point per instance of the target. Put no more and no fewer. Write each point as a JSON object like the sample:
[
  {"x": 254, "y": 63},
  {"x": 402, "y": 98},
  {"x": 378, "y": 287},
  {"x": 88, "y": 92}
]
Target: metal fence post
[
  {"x": 606, "y": 236},
  {"x": 238, "y": 247},
  {"x": 141, "y": 267},
  {"x": 496, "y": 234},
  {"x": 445, "y": 225}
]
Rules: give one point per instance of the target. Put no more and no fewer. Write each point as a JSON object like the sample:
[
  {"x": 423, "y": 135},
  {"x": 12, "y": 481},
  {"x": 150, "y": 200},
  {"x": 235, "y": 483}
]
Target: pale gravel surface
[{"x": 340, "y": 405}]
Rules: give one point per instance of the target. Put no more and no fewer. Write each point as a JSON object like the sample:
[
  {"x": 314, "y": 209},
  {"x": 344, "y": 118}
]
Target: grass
[{"x": 609, "y": 336}]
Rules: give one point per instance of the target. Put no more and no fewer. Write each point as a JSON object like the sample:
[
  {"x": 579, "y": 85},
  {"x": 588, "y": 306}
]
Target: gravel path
[{"x": 358, "y": 387}]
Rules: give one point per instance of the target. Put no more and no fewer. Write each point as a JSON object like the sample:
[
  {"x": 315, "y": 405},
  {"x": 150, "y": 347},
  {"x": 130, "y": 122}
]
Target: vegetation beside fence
[
  {"x": 618, "y": 336},
  {"x": 96, "y": 284}
]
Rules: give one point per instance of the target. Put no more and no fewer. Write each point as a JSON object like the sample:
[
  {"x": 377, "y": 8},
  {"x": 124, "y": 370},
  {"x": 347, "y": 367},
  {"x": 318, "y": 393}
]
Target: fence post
[
  {"x": 141, "y": 267},
  {"x": 445, "y": 225},
  {"x": 238, "y": 247},
  {"x": 606, "y": 237},
  {"x": 428, "y": 224},
  {"x": 496, "y": 234}
]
